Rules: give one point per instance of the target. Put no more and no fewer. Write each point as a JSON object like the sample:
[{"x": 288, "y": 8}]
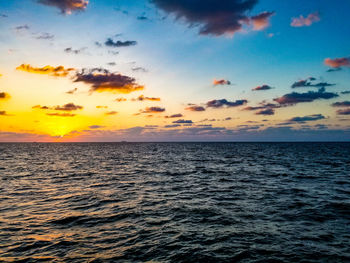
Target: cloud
[
  {"x": 337, "y": 62},
  {"x": 22, "y": 27},
  {"x": 101, "y": 107},
  {"x": 305, "y": 21},
  {"x": 74, "y": 51},
  {"x": 139, "y": 69},
  {"x": 309, "y": 83},
  {"x": 153, "y": 110},
  {"x": 142, "y": 18},
  {"x": 3, "y": 113},
  {"x": 96, "y": 127},
  {"x": 66, "y": 6},
  {"x": 3, "y": 15},
  {"x": 109, "y": 113},
  {"x": 344, "y": 111},
  {"x": 261, "y": 21},
  {"x": 183, "y": 121},
  {"x": 263, "y": 87},
  {"x": 195, "y": 108},
  {"x": 4, "y": 95},
  {"x": 102, "y": 80},
  {"x": 60, "y": 114},
  {"x": 179, "y": 115},
  {"x": 45, "y": 36},
  {"x": 223, "y": 102},
  {"x": 120, "y": 99},
  {"x": 213, "y": 17},
  {"x": 66, "y": 107},
  {"x": 172, "y": 126},
  {"x": 334, "y": 69},
  {"x": 221, "y": 82},
  {"x": 341, "y": 104},
  {"x": 345, "y": 92},
  {"x": 110, "y": 43},
  {"x": 268, "y": 111},
  {"x": 72, "y": 91},
  {"x": 314, "y": 117},
  {"x": 294, "y": 97},
  {"x": 143, "y": 98},
  {"x": 58, "y": 71}
]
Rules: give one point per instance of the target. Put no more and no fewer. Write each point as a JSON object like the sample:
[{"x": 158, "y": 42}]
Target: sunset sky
[{"x": 174, "y": 70}]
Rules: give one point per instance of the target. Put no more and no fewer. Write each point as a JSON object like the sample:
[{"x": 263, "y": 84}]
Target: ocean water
[{"x": 175, "y": 202}]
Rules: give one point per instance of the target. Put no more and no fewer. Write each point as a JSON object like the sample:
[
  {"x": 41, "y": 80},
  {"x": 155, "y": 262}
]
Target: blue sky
[{"x": 176, "y": 64}]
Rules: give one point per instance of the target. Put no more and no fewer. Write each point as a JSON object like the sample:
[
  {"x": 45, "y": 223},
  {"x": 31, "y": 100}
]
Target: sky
[{"x": 174, "y": 70}]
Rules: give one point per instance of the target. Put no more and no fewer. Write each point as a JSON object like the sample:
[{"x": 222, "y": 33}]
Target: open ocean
[{"x": 175, "y": 202}]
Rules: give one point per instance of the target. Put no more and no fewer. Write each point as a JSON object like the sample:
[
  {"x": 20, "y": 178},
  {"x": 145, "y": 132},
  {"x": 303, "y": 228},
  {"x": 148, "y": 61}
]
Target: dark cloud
[
  {"x": 334, "y": 69},
  {"x": 172, "y": 126},
  {"x": 179, "y": 115},
  {"x": 111, "y": 43},
  {"x": 344, "y": 111},
  {"x": 195, "y": 108},
  {"x": 66, "y": 107},
  {"x": 341, "y": 104},
  {"x": 337, "y": 62},
  {"x": 309, "y": 83},
  {"x": 263, "y": 106},
  {"x": 142, "y": 18},
  {"x": 111, "y": 64},
  {"x": 221, "y": 82},
  {"x": 183, "y": 121},
  {"x": 96, "y": 127},
  {"x": 143, "y": 98},
  {"x": 223, "y": 102},
  {"x": 102, "y": 80},
  {"x": 22, "y": 27},
  {"x": 268, "y": 111},
  {"x": 74, "y": 51},
  {"x": 60, "y": 114},
  {"x": 4, "y": 95},
  {"x": 294, "y": 97},
  {"x": 45, "y": 36},
  {"x": 66, "y": 6},
  {"x": 215, "y": 17},
  {"x": 153, "y": 110},
  {"x": 139, "y": 69},
  {"x": 345, "y": 92},
  {"x": 3, "y": 15},
  {"x": 263, "y": 87},
  {"x": 314, "y": 117}
]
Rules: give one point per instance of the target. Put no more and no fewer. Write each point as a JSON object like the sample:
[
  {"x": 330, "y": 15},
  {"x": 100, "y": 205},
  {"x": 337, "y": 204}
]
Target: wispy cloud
[
  {"x": 110, "y": 43},
  {"x": 337, "y": 62},
  {"x": 221, "y": 82},
  {"x": 262, "y": 87},
  {"x": 302, "y": 21},
  {"x": 153, "y": 110},
  {"x": 195, "y": 108},
  {"x": 261, "y": 21},
  {"x": 223, "y": 102},
  {"x": 314, "y": 117},
  {"x": 143, "y": 98}
]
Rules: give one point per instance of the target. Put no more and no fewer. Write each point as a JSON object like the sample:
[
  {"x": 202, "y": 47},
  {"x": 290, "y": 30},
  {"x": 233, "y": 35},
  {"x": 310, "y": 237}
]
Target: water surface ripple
[{"x": 175, "y": 202}]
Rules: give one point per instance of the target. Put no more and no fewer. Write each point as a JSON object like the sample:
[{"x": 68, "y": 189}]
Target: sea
[{"x": 175, "y": 202}]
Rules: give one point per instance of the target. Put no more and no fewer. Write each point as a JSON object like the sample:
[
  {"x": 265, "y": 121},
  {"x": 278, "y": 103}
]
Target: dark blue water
[{"x": 175, "y": 202}]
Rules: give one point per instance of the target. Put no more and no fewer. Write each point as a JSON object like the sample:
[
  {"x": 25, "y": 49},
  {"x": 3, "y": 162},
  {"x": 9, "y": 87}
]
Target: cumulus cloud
[
  {"x": 66, "y": 6},
  {"x": 110, "y": 43},
  {"x": 294, "y": 97},
  {"x": 143, "y": 98},
  {"x": 183, "y": 121},
  {"x": 179, "y": 115},
  {"x": 66, "y": 107},
  {"x": 309, "y": 82},
  {"x": 305, "y": 21},
  {"x": 337, "y": 62},
  {"x": 223, "y": 102},
  {"x": 314, "y": 117},
  {"x": 195, "y": 108},
  {"x": 263, "y": 87},
  {"x": 268, "y": 111},
  {"x": 261, "y": 21},
  {"x": 58, "y": 71},
  {"x": 221, "y": 82},
  {"x": 341, "y": 104},
  {"x": 213, "y": 17},
  {"x": 344, "y": 111},
  {"x": 153, "y": 110},
  {"x": 101, "y": 80}
]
